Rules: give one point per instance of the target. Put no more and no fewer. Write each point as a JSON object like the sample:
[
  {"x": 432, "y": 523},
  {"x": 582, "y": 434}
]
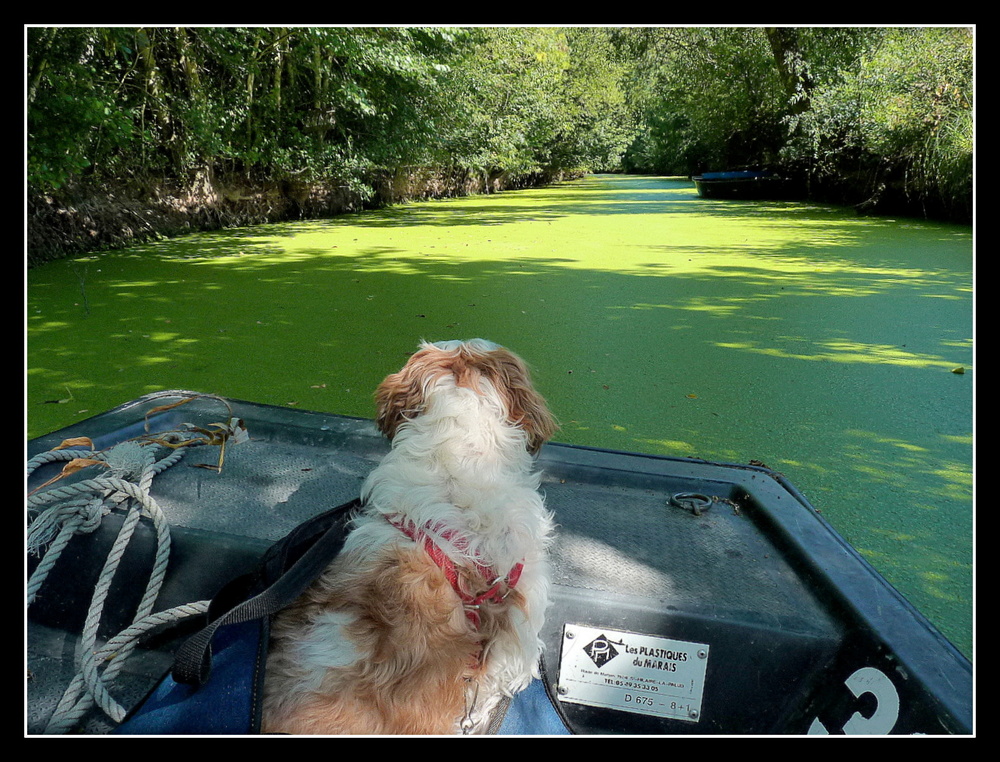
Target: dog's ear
[
  {"x": 401, "y": 395},
  {"x": 527, "y": 408}
]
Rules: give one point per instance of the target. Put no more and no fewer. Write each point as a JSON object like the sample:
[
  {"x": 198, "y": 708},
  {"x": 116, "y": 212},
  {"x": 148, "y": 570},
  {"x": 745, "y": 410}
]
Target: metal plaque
[{"x": 630, "y": 672}]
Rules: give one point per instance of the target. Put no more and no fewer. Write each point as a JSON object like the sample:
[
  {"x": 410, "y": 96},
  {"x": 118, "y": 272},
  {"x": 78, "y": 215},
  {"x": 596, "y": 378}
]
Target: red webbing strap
[{"x": 446, "y": 565}]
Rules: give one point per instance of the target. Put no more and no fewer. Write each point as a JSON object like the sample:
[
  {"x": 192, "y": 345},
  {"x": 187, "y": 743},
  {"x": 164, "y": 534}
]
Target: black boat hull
[{"x": 741, "y": 185}]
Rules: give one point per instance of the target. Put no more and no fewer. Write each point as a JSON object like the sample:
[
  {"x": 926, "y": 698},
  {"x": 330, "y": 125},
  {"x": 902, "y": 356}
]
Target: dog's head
[{"x": 402, "y": 396}]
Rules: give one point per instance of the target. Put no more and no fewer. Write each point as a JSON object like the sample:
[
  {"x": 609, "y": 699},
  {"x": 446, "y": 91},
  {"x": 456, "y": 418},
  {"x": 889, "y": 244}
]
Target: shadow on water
[{"x": 800, "y": 336}]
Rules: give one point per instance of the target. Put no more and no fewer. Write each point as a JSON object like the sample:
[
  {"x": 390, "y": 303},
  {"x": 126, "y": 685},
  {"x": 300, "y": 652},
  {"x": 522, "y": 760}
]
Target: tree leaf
[{"x": 73, "y": 442}]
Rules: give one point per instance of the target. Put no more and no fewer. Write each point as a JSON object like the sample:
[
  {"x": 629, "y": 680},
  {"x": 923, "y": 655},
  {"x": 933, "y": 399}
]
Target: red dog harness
[{"x": 470, "y": 602}]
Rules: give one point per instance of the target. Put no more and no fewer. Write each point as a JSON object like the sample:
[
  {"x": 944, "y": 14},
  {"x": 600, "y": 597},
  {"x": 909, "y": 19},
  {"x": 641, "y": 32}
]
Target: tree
[
  {"x": 710, "y": 98},
  {"x": 73, "y": 102},
  {"x": 899, "y": 117},
  {"x": 599, "y": 123},
  {"x": 861, "y": 113},
  {"x": 124, "y": 101}
]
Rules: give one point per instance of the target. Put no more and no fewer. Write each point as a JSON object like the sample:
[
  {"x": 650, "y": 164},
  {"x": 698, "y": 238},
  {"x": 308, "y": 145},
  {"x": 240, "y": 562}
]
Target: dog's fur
[{"x": 382, "y": 643}]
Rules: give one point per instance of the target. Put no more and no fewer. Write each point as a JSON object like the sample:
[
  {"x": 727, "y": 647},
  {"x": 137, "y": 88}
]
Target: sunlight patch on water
[
  {"x": 674, "y": 447},
  {"x": 842, "y": 351}
]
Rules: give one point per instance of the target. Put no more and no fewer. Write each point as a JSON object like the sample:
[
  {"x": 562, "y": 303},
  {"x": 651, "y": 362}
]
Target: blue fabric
[
  {"x": 224, "y": 705},
  {"x": 531, "y": 714}
]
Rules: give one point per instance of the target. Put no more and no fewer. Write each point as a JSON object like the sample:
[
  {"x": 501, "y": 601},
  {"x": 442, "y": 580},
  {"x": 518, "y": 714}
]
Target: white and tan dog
[{"x": 432, "y": 610}]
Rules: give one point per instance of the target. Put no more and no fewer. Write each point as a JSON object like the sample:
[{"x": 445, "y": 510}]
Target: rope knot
[{"x": 86, "y": 514}]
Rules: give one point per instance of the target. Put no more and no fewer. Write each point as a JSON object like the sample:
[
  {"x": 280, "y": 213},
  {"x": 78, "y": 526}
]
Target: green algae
[{"x": 795, "y": 334}]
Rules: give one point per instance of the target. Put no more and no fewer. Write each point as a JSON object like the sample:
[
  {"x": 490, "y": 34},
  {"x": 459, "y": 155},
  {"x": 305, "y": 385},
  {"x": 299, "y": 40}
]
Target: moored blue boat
[{"x": 741, "y": 184}]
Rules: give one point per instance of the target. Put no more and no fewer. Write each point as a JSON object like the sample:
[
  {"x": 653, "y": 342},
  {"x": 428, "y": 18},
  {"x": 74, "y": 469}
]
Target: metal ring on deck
[{"x": 691, "y": 501}]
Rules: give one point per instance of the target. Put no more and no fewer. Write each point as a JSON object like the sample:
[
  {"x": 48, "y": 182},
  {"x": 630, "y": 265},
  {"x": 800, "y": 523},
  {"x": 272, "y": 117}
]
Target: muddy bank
[{"x": 87, "y": 218}]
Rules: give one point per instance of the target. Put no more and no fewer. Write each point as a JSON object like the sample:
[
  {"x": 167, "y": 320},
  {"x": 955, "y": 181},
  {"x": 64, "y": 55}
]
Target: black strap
[{"x": 193, "y": 661}]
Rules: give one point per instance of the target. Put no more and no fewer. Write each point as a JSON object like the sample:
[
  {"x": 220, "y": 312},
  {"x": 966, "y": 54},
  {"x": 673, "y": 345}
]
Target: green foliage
[
  {"x": 902, "y": 114},
  {"x": 527, "y": 100},
  {"x": 709, "y": 98},
  {"x": 599, "y": 123},
  {"x": 862, "y": 110},
  {"x": 498, "y": 103},
  {"x": 311, "y": 103},
  {"x": 73, "y": 106}
]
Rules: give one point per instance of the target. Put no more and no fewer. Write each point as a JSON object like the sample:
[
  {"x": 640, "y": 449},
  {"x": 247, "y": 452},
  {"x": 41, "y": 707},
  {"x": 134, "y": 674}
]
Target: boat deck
[{"x": 747, "y": 611}]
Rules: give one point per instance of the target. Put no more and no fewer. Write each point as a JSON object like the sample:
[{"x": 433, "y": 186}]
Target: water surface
[{"x": 820, "y": 343}]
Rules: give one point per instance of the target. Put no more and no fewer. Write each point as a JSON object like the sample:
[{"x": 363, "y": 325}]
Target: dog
[{"x": 431, "y": 613}]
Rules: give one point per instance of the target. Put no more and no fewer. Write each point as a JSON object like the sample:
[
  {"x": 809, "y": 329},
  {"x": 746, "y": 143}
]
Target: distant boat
[{"x": 743, "y": 184}]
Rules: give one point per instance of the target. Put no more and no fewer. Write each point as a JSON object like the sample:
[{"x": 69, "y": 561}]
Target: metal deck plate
[{"x": 630, "y": 672}]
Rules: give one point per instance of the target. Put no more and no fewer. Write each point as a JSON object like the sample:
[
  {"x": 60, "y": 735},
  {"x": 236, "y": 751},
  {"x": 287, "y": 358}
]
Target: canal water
[{"x": 833, "y": 348}]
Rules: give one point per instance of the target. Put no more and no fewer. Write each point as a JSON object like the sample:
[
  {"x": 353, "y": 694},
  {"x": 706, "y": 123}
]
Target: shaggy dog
[{"x": 431, "y": 612}]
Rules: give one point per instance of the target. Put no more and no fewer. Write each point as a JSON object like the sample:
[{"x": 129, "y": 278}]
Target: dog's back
[{"x": 432, "y": 611}]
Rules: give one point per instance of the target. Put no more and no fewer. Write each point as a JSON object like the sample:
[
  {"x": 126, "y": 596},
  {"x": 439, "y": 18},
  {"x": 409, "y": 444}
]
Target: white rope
[
  {"x": 61, "y": 511},
  {"x": 56, "y": 456},
  {"x": 64, "y": 522},
  {"x": 73, "y": 706},
  {"x": 67, "y": 509}
]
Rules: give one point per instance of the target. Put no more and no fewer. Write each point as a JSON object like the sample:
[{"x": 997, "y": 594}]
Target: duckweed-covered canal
[{"x": 820, "y": 343}]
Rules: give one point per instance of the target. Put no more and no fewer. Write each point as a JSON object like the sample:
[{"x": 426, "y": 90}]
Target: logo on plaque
[{"x": 601, "y": 650}]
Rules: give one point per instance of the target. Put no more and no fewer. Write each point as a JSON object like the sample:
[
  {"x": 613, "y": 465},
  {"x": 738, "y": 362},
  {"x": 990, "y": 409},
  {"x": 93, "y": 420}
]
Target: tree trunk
[{"x": 785, "y": 48}]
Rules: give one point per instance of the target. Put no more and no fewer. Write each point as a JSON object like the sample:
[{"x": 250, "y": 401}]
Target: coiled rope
[{"x": 66, "y": 510}]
